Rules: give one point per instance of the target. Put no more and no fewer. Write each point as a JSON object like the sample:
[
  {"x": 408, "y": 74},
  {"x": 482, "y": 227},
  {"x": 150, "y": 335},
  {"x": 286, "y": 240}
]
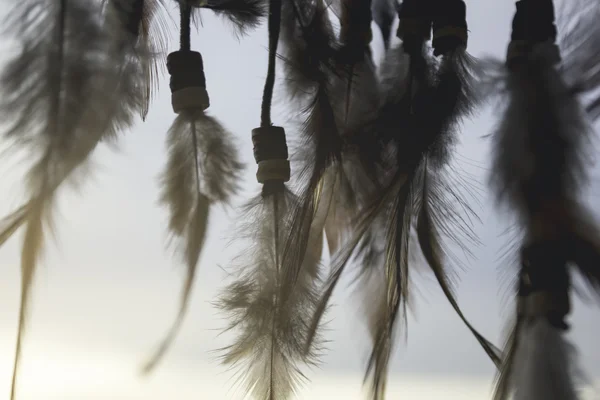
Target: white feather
[{"x": 544, "y": 365}]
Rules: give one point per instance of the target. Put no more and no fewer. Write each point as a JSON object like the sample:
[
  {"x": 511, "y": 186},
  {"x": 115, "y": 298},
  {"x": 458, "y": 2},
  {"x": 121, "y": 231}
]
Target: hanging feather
[
  {"x": 272, "y": 334},
  {"x": 581, "y": 53},
  {"x": 269, "y": 347},
  {"x": 244, "y": 15},
  {"x": 544, "y": 374},
  {"x": 418, "y": 192},
  {"x": 60, "y": 100},
  {"x": 307, "y": 32},
  {"x": 145, "y": 39},
  {"x": 355, "y": 36},
  {"x": 356, "y": 83},
  {"x": 202, "y": 168},
  {"x": 539, "y": 170}
]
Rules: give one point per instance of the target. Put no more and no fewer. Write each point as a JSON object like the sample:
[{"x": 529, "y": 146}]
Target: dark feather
[
  {"x": 245, "y": 15},
  {"x": 437, "y": 213},
  {"x": 539, "y": 171},
  {"x": 60, "y": 101},
  {"x": 309, "y": 47}
]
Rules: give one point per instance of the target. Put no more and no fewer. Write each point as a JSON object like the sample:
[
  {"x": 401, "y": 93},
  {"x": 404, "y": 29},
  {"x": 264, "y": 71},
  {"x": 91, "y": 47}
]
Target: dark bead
[
  {"x": 186, "y": 69},
  {"x": 448, "y": 13},
  {"x": 269, "y": 143},
  {"x": 534, "y": 21},
  {"x": 544, "y": 265}
]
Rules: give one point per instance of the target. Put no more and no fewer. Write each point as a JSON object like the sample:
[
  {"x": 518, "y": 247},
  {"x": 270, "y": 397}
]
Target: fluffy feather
[
  {"x": 539, "y": 171},
  {"x": 145, "y": 35},
  {"x": 243, "y": 14},
  {"x": 418, "y": 192},
  {"x": 307, "y": 36},
  {"x": 60, "y": 101},
  {"x": 544, "y": 364},
  {"x": 309, "y": 48},
  {"x": 271, "y": 332},
  {"x": 202, "y": 169},
  {"x": 547, "y": 144}
]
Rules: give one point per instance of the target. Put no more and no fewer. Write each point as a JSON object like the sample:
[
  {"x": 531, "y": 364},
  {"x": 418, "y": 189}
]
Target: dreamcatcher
[{"x": 372, "y": 170}]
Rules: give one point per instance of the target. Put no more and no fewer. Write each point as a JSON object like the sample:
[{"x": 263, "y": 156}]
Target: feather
[
  {"x": 60, "y": 103},
  {"x": 436, "y": 214},
  {"x": 412, "y": 194},
  {"x": 355, "y": 36},
  {"x": 154, "y": 38},
  {"x": 384, "y": 14},
  {"x": 321, "y": 129},
  {"x": 544, "y": 364},
  {"x": 307, "y": 36},
  {"x": 245, "y": 15},
  {"x": 539, "y": 170},
  {"x": 144, "y": 37},
  {"x": 503, "y": 384},
  {"x": 309, "y": 47},
  {"x": 271, "y": 333},
  {"x": 341, "y": 259},
  {"x": 548, "y": 144},
  {"x": 581, "y": 54},
  {"x": 375, "y": 310},
  {"x": 396, "y": 269},
  {"x": 202, "y": 169}
]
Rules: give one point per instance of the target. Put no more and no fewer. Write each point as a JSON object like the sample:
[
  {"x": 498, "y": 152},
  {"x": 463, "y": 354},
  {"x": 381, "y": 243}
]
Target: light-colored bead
[
  {"x": 273, "y": 170},
  {"x": 195, "y": 98}
]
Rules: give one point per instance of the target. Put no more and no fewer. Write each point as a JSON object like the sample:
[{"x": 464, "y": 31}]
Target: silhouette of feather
[
  {"x": 408, "y": 196},
  {"x": 59, "y": 98},
  {"x": 243, "y": 14},
  {"x": 202, "y": 169},
  {"x": 145, "y": 29}
]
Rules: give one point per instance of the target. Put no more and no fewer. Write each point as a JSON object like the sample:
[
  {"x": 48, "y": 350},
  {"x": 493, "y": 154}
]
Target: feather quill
[
  {"x": 202, "y": 170},
  {"x": 60, "y": 101}
]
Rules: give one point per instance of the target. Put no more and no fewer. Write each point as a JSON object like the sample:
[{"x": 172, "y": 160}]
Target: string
[{"x": 274, "y": 28}]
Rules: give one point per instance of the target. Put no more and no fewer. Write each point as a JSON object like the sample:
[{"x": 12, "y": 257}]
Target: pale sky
[{"x": 108, "y": 288}]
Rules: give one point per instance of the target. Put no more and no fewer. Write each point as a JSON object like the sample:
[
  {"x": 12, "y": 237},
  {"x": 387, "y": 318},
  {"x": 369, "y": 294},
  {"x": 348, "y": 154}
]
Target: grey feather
[
  {"x": 269, "y": 347},
  {"x": 544, "y": 364},
  {"x": 59, "y": 99},
  {"x": 202, "y": 169}
]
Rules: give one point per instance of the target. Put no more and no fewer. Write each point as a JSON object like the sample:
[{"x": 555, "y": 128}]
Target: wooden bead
[
  {"x": 191, "y": 98},
  {"x": 269, "y": 143},
  {"x": 273, "y": 170}
]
